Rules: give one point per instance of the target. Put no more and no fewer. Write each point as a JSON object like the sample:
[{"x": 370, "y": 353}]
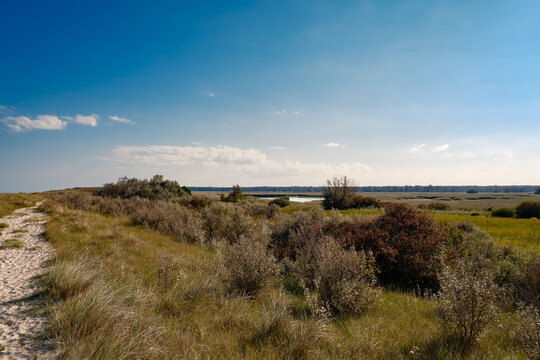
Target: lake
[{"x": 294, "y": 198}]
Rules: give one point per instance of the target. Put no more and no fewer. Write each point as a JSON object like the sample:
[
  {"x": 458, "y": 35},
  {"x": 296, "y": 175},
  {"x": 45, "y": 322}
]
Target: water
[{"x": 296, "y": 198}]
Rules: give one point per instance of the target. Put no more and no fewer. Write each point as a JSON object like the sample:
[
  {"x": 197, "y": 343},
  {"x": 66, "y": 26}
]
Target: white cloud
[
  {"x": 440, "y": 148},
  {"x": 279, "y": 147},
  {"x": 42, "y": 122},
  {"x": 334, "y": 145},
  {"x": 187, "y": 155},
  {"x": 90, "y": 120},
  {"x": 417, "y": 148},
  {"x": 228, "y": 158},
  {"x": 211, "y": 94},
  {"x": 121, "y": 119}
]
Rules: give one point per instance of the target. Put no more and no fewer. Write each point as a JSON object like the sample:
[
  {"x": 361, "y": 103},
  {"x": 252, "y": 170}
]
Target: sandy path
[{"x": 19, "y": 324}]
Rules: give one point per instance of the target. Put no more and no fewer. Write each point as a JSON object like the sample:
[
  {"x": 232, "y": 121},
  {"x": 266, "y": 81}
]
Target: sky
[{"x": 216, "y": 93}]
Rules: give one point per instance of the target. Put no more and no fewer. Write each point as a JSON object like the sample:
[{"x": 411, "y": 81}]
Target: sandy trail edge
[{"x": 19, "y": 323}]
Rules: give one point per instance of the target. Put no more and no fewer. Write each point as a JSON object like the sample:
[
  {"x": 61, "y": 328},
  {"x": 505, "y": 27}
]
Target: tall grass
[
  {"x": 12, "y": 202},
  {"x": 520, "y": 233},
  {"x": 108, "y": 301}
]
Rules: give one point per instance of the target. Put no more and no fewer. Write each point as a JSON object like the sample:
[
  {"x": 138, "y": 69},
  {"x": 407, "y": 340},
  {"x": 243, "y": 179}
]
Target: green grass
[
  {"x": 109, "y": 305},
  {"x": 12, "y": 202},
  {"x": 520, "y": 233},
  {"x": 12, "y": 244},
  {"x": 3, "y": 225}
]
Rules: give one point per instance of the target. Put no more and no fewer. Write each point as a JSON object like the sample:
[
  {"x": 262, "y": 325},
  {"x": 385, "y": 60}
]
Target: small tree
[
  {"x": 235, "y": 195},
  {"x": 338, "y": 193}
]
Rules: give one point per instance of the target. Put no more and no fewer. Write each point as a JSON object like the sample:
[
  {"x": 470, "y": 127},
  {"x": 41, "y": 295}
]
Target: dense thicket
[
  {"x": 406, "y": 245},
  {"x": 155, "y": 188},
  {"x": 528, "y": 209},
  {"x": 340, "y": 193}
]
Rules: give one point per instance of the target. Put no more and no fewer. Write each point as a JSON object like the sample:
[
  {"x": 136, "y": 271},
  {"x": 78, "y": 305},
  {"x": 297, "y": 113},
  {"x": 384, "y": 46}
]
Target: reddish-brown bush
[
  {"x": 406, "y": 244},
  {"x": 286, "y": 226}
]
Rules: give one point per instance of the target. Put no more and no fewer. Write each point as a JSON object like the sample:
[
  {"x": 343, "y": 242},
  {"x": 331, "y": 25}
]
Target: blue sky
[{"x": 269, "y": 92}]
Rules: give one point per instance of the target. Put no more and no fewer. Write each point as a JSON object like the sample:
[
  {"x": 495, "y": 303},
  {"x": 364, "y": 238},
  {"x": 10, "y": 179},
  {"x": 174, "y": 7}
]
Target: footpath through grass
[
  {"x": 112, "y": 302},
  {"x": 520, "y": 233}
]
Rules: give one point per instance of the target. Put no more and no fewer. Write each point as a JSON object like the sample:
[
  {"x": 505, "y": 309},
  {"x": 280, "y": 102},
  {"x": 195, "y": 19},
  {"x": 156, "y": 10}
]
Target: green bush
[
  {"x": 225, "y": 221},
  {"x": 467, "y": 299},
  {"x": 527, "y": 333},
  {"x": 155, "y": 188},
  {"x": 281, "y": 202},
  {"x": 336, "y": 281},
  {"x": 235, "y": 195},
  {"x": 246, "y": 266},
  {"x": 528, "y": 209},
  {"x": 168, "y": 217},
  {"x": 502, "y": 212},
  {"x": 360, "y": 202}
]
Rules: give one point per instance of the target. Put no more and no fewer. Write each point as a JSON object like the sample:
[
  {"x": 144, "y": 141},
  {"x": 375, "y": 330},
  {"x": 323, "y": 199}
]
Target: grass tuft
[{"x": 12, "y": 244}]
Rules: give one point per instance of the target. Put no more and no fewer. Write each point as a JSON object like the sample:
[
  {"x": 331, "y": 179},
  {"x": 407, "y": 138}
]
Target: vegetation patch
[
  {"x": 12, "y": 244},
  {"x": 298, "y": 283},
  {"x": 12, "y": 202}
]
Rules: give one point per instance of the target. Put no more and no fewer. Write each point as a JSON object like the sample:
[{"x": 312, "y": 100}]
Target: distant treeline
[{"x": 406, "y": 188}]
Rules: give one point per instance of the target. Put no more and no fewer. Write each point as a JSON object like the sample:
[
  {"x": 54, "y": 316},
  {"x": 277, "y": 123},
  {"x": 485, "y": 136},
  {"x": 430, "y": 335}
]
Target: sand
[{"x": 20, "y": 323}]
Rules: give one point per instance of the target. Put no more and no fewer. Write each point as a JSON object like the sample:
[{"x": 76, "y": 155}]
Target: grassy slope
[
  {"x": 520, "y": 233},
  {"x": 12, "y": 202},
  {"x": 206, "y": 324}
]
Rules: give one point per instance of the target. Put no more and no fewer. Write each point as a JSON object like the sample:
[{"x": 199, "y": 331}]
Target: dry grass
[
  {"x": 12, "y": 202},
  {"x": 111, "y": 303}
]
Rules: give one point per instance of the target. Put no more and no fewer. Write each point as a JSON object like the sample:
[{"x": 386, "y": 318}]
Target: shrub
[
  {"x": 338, "y": 193},
  {"x": 75, "y": 199},
  {"x": 254, "y": 207},
  {"x": 155, "y": 188},
  {"x": 246, "y": 265},
  {"x": 527, "y": 332},
  {"x": 502, "y": 212},
  {"x": 467, "y": 300},
  {"x": 406, "y": 244},
  {"x": 195, "y": 202},
  {"x": 528, "y": 209},
  {"x": 235, "y": 195},
  {"x": 281, "y": 202},
  {"x": 537, "y": 191},
  {"x": 222, "y": 221},
  {"x": 360, "y": 202},
  {"x": 170, "y": 218},
  {"x": 342, "y": 281},
  {"x": 272, "y": 211},
  {"x": 286, "y": 226},
  {"x": 528, "y": 288}
]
